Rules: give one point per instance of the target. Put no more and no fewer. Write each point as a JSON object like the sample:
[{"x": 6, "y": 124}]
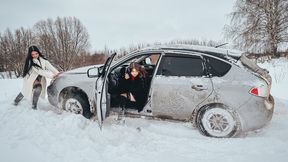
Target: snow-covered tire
[
  {"x": 77, "y": 103},
  {"x": 217, "y": 121}
]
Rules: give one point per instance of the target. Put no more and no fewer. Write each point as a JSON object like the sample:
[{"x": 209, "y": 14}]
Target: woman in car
[
  {"x": 36, "y": 69},
  {"x": 135, "y": 86}
]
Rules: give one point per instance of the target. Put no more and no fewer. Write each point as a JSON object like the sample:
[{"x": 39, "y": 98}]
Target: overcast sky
[{"x": 120, "y": 23}]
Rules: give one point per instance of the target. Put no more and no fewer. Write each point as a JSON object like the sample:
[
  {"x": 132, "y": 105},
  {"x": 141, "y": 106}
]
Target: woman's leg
[
  {"x": 18, "y": 99},
  {"x": 140, "y": 102},
  {"x": 36, "y": 94}
]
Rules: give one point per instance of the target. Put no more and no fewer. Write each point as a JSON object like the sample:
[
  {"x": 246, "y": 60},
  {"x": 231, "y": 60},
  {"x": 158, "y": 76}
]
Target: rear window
[{"x": 217, "y": 67}]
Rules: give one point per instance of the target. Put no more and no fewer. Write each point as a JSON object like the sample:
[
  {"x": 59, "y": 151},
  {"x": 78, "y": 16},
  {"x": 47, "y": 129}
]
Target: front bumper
[{"x": 52, "y": 95}]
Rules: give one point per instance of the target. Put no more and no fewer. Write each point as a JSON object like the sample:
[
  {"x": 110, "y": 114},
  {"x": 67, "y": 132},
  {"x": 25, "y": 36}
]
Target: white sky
[{"x": 120, "y": 23}]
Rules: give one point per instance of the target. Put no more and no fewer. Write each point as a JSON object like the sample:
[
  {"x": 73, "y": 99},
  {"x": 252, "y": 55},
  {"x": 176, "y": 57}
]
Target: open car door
[{"x": 101, "y": 91}]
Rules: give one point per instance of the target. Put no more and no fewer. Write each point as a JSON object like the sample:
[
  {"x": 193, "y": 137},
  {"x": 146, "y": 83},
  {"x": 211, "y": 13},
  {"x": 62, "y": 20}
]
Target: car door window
[
  {"x": 181, "y": 66},
  {"x": 217, "y": 67}
]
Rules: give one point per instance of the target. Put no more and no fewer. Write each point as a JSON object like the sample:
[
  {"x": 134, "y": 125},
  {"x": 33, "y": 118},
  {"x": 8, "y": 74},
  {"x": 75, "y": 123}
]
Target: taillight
[
  {"x": 254, "y": 91},
  {"x": 260, "y": 91}
]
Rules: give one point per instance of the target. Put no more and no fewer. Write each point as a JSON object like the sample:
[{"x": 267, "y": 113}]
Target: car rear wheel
[
  {"x": 217, "y": 121},
  {"x": 78, "y": 104}
]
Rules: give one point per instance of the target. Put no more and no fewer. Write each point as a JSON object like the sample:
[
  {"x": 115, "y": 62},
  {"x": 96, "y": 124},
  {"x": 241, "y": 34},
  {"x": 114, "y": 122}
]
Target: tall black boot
[
  {"x": 36, "y": 94},
  {"x": 18, "y": 99},
  {"x": 122, "y": 104}
]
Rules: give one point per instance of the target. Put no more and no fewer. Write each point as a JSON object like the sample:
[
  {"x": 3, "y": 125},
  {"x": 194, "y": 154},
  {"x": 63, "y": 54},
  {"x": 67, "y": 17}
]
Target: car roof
[{"x": 226, "y": 54}]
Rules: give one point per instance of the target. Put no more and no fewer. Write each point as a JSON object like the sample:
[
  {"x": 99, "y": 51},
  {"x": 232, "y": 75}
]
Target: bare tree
[
  {"x": 13, "y": 49},
  {"x": 2, "y": 56},
  {"x": 124, "y": 51},
  {"x": 62, "y": 40},
  {"x": 209, "y": 43},
  {"x": 259, "y": 25}
]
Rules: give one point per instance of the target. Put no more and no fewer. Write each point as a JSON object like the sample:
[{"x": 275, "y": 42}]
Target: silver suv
[{"x": 219, "y": 91}]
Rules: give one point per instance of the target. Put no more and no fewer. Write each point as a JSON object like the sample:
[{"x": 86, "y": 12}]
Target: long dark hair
[
  {"x": 29, "y": 60},
  {"x": 137, "y": 66}
]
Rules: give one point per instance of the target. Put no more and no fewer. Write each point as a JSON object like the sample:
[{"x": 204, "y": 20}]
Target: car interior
[{"x": 148, "y": 62}]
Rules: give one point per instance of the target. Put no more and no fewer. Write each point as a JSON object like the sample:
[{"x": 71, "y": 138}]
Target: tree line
[
  {"x": 64, "y": 41},
  {"x": 259, "y": 27}
]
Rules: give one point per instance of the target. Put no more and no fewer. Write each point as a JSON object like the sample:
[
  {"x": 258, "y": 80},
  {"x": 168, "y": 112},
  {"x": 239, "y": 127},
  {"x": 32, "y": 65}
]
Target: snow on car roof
[{"x": 220, "y": 52}]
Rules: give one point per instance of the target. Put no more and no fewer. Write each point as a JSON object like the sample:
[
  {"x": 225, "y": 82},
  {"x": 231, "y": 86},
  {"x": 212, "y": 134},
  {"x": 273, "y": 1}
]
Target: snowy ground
[{"x": 46, "y": 135}]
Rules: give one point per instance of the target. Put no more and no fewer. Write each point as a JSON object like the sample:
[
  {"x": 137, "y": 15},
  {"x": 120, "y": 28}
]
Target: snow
[
  {"x": 49, "y": 135},
  {"x": 278, "y": 71},
  {"x": 231, "y": 52},
  {"x": 82, "y": 69}
]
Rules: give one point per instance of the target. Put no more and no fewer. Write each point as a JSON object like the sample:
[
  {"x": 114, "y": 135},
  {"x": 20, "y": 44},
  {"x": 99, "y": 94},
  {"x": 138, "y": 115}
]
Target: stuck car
[{"x": 221, "y": 92}]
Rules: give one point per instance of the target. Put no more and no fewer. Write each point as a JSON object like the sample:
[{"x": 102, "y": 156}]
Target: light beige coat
[{"x": 47, "y": 71}]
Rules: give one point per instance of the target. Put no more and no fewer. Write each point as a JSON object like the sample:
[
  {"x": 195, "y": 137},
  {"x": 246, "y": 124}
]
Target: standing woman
[{"x": 36, "y": 70}]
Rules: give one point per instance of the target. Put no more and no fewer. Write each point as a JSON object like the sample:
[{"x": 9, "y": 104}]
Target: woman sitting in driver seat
[{"x": 135, "y": 85}]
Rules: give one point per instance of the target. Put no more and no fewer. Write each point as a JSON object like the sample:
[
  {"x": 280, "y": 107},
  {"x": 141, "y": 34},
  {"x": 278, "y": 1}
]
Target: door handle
[{"x": 199, "y": 87}]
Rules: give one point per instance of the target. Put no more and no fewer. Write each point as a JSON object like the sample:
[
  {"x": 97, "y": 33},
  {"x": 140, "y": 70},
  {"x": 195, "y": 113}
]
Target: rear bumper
[
  {"x": 256, "y": 113},
  {"x": 269, "y": 103}
]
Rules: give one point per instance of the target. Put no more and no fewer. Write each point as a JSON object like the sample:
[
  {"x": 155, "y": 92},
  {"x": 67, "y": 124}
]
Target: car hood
[{"x": 81, "y": 70}]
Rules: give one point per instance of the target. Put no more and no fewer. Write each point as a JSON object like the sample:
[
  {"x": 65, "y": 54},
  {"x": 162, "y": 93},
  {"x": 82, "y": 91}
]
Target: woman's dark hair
[
  {"x": 137, "y": 66},
  {"x": 29, "y": 60}
]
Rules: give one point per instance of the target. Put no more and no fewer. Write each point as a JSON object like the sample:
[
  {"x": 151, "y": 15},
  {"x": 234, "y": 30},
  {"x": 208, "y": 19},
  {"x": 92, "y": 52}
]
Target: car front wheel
[
  {"x": 217, "y": 121},
  {"x": 78, "y": 104}
]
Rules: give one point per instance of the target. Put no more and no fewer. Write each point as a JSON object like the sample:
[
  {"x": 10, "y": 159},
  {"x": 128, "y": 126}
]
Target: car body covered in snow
[{"x": 220, "y": 91}]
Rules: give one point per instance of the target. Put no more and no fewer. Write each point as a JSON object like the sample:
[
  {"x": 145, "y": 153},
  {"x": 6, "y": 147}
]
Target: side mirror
[{"x": 93, "y": 72}]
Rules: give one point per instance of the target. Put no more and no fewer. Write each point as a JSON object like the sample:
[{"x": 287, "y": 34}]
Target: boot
[
  {"x": 36, "y": 94},
  {"x": 122, "y": 112},
  {"x": 34, "y": 107},
  {"x": 18, "y": 99}
]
